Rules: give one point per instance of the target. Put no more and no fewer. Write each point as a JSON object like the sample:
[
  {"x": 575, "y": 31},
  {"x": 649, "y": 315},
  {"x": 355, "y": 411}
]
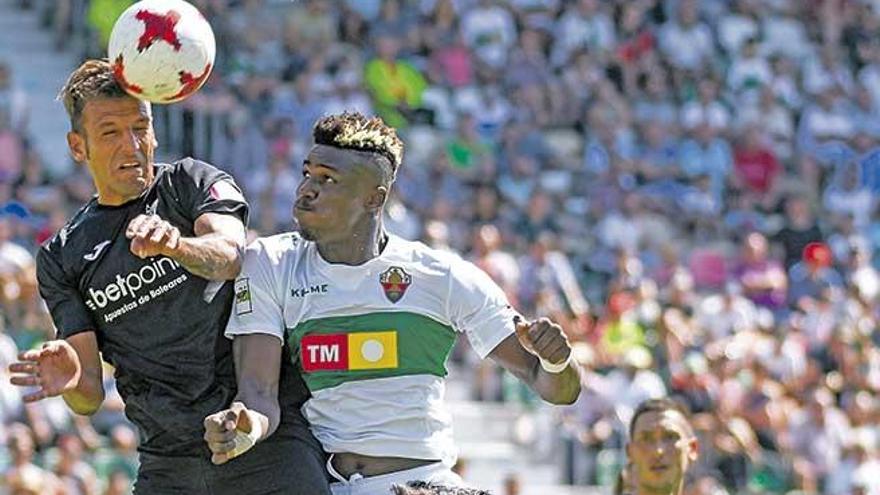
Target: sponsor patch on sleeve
[
  {"x": 243, "y": 303},
  {"x": 223, "y": 189}
]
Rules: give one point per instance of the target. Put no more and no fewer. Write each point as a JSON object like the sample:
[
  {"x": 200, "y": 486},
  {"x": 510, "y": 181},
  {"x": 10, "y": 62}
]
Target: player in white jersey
[{"x": 371, "y": 319}]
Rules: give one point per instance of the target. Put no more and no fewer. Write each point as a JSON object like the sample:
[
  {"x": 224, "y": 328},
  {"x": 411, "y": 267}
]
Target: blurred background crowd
[{"x": 689, "y": 187}]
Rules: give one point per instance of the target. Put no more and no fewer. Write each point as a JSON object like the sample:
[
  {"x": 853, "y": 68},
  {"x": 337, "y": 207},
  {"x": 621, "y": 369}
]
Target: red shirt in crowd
[{"x": 757, "y": 168}]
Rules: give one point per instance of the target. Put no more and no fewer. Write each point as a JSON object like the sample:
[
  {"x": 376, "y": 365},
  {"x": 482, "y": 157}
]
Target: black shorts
[{"x": 277, "y": 466}]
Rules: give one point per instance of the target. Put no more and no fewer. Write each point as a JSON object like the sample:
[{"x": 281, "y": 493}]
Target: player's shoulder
[
  {"x": 188, "y": 165},
  {"x": 74, "y": 230},
  {"x": 277, "y": 248},
  {"x": 191, "y": 169},
  {"x": 83, "y": 233},
  {"x": 421, "y": 253},
  {"x": 187, "y": 176}
]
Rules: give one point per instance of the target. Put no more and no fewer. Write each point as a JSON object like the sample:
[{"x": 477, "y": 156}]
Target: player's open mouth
[{"x": 126, "y": 166}]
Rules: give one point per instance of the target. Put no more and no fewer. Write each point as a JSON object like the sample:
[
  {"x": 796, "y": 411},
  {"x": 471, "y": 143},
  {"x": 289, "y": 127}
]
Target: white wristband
[
  {"x": 246, "y": 441},
  {"x": 555, "y": 368}
]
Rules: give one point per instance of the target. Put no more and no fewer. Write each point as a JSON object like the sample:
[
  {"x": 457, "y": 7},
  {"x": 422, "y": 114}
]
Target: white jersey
[{"x": 372, "y": 340}]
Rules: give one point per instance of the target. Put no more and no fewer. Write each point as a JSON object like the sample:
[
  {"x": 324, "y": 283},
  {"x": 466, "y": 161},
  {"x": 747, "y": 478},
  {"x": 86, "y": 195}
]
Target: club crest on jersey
[{"x": 394, "y": 282}]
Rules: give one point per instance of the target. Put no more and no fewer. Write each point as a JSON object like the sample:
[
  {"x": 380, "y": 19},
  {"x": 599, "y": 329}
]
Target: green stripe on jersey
[{"x": 422, "y": 346}]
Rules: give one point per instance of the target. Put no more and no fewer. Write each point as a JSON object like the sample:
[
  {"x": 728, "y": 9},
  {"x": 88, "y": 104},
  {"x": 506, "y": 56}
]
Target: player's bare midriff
[{"x": 347, "y": 464}]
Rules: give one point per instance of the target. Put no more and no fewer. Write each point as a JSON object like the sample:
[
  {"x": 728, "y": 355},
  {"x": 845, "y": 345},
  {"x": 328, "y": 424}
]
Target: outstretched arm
[
  {"x": 554, "y": 379},
  {"x": 255, "y": 412},
  {"x": 70, "y": 368},
  {"x": 215, "y": 253}
]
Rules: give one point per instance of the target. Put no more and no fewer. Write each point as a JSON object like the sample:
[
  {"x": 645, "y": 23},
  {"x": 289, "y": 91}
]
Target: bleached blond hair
[{"x": 354, "y": 131}]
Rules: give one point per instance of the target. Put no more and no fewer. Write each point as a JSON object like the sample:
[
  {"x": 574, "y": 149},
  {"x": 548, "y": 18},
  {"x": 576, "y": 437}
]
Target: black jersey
[{"x": 159, "y": 325}]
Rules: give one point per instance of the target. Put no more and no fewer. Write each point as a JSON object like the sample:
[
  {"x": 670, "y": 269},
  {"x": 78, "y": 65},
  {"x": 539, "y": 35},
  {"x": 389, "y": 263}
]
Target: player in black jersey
[
  {"x": 141, "y": 274},
  {"x": 661, "y": 448}
]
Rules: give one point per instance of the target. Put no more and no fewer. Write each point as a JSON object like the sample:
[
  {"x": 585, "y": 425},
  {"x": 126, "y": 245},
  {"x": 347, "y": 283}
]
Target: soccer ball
[{"x": 162, "y": 50}]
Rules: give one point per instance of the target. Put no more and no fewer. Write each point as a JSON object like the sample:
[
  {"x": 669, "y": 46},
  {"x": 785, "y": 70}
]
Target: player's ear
[
  {"x": 77, "y": 145},
  {"x": 149, "y": 111},
  {"x": 693, "y": 449},
  {"x": 376, "y": 199}
]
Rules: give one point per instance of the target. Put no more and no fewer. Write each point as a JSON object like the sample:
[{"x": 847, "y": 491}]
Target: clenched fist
[
  {"x": 231, "y": 432},
  {"x": 151, "y": 236},
  {"x": 544, "y": 339}
]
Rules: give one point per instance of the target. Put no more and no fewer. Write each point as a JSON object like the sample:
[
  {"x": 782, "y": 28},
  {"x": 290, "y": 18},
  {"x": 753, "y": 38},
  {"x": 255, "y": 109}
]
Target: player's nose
[
  {"x": 131, "y": 142},
  {"x": 306, "y": 191}
]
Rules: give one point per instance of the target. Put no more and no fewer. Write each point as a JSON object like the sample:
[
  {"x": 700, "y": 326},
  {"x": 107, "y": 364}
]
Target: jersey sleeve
[
  {"x": 478, "y": 307},
  {"x": 66, "y": 305},
  {"x": 202, "y": 188},
  {"x": 256, "y": 306}
]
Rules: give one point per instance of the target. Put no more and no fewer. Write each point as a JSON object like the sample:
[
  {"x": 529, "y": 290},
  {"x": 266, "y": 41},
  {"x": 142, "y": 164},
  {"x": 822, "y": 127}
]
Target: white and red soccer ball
[{"x": 162, "y": 50}]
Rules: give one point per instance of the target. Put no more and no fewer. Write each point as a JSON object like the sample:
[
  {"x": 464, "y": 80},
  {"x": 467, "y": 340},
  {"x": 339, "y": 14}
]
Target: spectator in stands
[
  {"x": 490, "y": 31},
  {"x": 762, "y": 278},
  {"x": 756, "y": 167},
  {"x": 22, "y": 476},
  {"x": 11, "y": 150},
  {"x": 800, "y": 229},
  {"x": 662, "y": 446},
  {"x": 102, "y": 15},
  {"x": 723, "y": 315},
  {"x": 818, "y": 433},
  {"x": 812, "y": 276},
  {"x": 118, "y": 483},
  {"x": 467, "y": 152},
  {"x": 490, "y": 256},
  {"x": 847, "y": 196},
  {"x": 14, "y": 101},
  {"x": 395, "y": 85},
  {"x": 583, "y": 25},
  {"x": 739, "y": 26},
  {"x": 17, "y": 273},
  {"x": 314, "y": 23},
  {"x": 77, "y": 476},
  {"x": 685, "y": 41}
]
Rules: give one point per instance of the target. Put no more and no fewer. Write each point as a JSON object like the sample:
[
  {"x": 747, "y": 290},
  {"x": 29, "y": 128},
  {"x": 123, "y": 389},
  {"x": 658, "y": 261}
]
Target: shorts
[
  {"x": 381, "y": 484},
  {"x": 276, "y": 466}
]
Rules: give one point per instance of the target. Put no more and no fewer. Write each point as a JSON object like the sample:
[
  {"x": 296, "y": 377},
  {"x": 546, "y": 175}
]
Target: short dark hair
[
  {"x": 93, "y": 79},
  {"x": 354, "y": 131},
  {"x": 659, "y": 405},
  {"x": 426, "y": 488}
]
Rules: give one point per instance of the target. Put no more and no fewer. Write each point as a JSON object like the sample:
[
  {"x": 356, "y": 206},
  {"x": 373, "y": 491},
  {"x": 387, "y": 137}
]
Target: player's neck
[
  {"x": 364, "y": 244},
  {"x": 111, "y": 199},
  {"x": 667, "y": 490}
]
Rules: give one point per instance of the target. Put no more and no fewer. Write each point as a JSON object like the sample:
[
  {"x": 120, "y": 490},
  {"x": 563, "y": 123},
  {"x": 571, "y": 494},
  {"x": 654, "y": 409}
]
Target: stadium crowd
[{"x": 689, "y": 187}]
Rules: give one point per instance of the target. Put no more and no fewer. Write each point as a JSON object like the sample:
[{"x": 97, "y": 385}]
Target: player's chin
[
  {"x": 306, "y": 223},
  {"x": 140, "y": 185},
  {"x": 133, "y": 187},
  {"x": 662, "y": 477}
]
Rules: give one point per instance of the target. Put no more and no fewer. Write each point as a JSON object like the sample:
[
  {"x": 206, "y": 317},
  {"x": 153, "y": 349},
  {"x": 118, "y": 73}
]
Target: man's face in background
[{"x": 662, "y": 447}]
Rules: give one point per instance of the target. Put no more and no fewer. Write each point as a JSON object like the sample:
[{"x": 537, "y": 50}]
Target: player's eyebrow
[{"x": 307, "y": 163}]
